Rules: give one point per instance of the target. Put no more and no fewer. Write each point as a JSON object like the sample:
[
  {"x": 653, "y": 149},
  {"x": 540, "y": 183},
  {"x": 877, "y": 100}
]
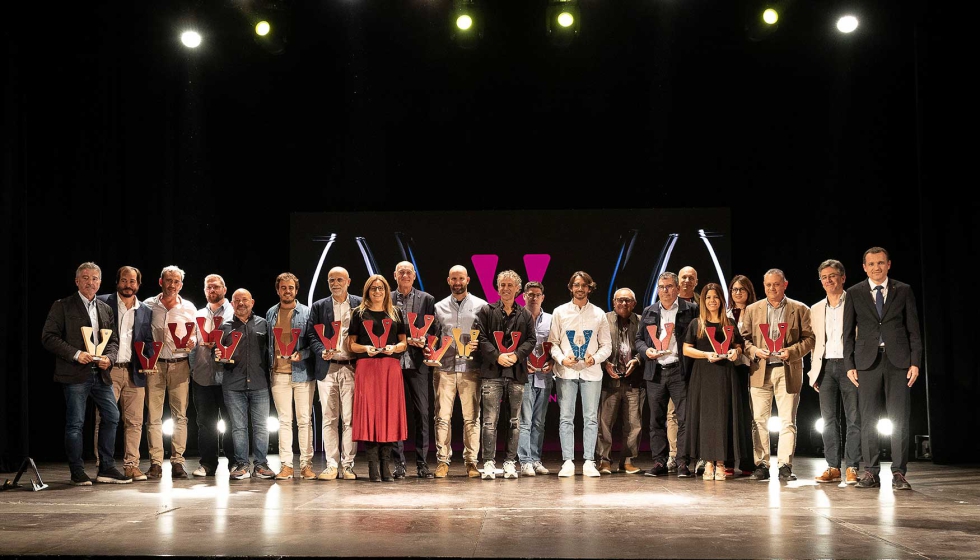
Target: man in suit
[
  {"x": 666, "y": 371},
  {"x": 82, "y": 375},
  {"x": 687, "y": 281},
  {"x": 829, "y": 378},
  {"x": 417, "y": 375},
  {"x": 334, "y": 370},
  {"x": 776, "y": 375},
  {"x": 882, "y": 354},
  {"x": 623, "y": 391},
  {"x": 128, "y": 384}
]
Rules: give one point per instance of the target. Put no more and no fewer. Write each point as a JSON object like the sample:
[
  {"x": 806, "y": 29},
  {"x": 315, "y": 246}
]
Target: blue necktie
[{"x": 879, "y": 300}]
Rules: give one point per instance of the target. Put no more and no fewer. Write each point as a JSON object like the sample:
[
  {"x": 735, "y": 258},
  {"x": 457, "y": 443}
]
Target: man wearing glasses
[{"x": 665, "y": 371}]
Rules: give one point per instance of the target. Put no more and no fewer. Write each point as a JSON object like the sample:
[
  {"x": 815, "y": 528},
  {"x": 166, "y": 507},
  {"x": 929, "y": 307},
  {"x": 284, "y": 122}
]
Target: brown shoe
[
  {"x": 135, "y": 473},
  {"x": 306, "y": 473},
  {"x": 349, "y": 473},
  {"x": 629, "y": 467},
  {"x": 605, "y": 467},
  {"x": 852, "y": 475},
  {"x": 329, "y": 473},
  {"x": 442, "y": 470},
  {"x": 830, "y": 475},
  {"x": 472, "y": 471},
  {"x": 177, "y": 470},
  {"x": 156, "y": 471},
  {"x": 285, "y": 473}
]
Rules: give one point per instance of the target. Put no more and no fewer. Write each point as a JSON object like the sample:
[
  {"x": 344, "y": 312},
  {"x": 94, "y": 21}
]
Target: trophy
[
  {"x": 418, "y": 334},
  {"x": 148, "y": 364},
  {"x": 435, "y": 356},
  {"x": 720, "y": 348},
  {"x": 538, "y": 362},
  {"x": 180, "y": 343},
  {"x": 329, "y": 344},
  {"x": 90, "y": 347},
  {"x": 579, "y": 351},
  {"x": 515, "y": 338},
  {"x": 286, "y": 350},
  {"x": 661, "y": 345},
  {"x": 209, "y": 336},
  {"x": 379, "y": 342},
  {"x": 774, "y": 344},
  {"x": 461, "y": 349},
  {"x": 227, "y": 351}
]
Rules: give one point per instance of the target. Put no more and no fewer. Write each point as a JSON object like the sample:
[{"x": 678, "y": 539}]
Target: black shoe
[
  {"x": 760, "y": 473},
  {"x": 423, "y": 470},
  {"x": 683, "y": 471},
  {"x": 112, "y": 476},
  {"x": 374, "y": 473},
  {"x": 786, "y": 473},
  {"x": 869, "y": 480},
  {"x": 399, "y": 471},
  {"x": 899, "y": 482},
  {"x": 658, "y": 469},
  {"x": 79, "y": 478}
]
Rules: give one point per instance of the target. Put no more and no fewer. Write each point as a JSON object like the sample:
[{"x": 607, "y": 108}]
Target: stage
[{"x": 615, "y": 516}]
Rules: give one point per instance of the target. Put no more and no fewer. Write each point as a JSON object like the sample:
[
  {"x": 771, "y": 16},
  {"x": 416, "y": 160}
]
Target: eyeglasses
[
  {"x": 532, "y": 295},
  {"x": 666, "y": 288},
  {"x": 377, "y": 288},
  {"x": 624, "y": 300},
  {"x": 738, "y": 290},
  {"x": 825, "y": 277}
]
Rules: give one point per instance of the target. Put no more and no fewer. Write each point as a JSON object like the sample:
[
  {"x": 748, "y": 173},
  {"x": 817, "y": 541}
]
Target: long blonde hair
[
  {"x": 389, "y": 307},
  {"x": 703, "y": 309}
]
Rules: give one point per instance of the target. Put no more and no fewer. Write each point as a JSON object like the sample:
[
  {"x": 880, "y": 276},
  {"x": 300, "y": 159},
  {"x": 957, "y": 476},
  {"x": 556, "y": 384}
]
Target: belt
[
  {"x": 123, "y": 365},
  {"x": 344, "y": 362},
  {"x": 173, "y": 360},
  {"x": 671, "y": 365}
]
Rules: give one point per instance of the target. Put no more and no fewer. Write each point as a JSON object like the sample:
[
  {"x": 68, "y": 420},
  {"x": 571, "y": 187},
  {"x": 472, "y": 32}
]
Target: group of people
[{"x": 709, "y": 367}]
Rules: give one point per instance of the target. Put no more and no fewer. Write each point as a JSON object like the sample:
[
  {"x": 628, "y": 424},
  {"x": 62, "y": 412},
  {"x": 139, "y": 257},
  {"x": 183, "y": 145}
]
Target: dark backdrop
[{"x": 123, "y": 148}]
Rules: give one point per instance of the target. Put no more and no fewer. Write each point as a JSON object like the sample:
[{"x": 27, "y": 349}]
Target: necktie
[{"x": 879, "y": 300}]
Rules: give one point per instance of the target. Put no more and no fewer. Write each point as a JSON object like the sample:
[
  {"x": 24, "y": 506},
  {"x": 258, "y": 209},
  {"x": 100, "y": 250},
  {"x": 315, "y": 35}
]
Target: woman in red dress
[{"x": 377, "y": 337}]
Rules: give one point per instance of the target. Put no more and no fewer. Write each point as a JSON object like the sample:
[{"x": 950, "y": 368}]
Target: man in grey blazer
[
  {"x": 882, "y": 354},
  {"x": 83, "y": 373}
]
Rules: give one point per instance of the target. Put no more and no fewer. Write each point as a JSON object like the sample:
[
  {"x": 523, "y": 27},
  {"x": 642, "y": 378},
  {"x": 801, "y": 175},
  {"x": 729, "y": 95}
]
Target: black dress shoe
[
  {"x": 760, "y": 473},
  {"x": 868, "y": 480},
  {"x": 683, "y": 471},
  {"x": 658, "y": 469},
  {"x": 899, "y": 482},
  {"x": 399, "y": 471},
  {"x": 786, "y": 473},
  {"x": 423, "y": 471}
]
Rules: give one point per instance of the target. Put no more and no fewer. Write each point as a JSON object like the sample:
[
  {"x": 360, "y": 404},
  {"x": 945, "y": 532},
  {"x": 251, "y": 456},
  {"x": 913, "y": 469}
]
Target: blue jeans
[
  {"x": 534, "y": 410},
  {"x": 76, "y": 397},
  {"x": 245, "y": 407},
  {"x": 494, "y": 391},
  {"x": 834, "y": 382},
  {"x": 568, "y": 389}
]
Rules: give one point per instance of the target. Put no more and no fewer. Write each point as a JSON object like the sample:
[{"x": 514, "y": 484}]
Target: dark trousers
[
  {"x": 884, "y": 388},
  {"x": 417, "y": 388},
  {"x": 671, "y": 384},
  {"x": 208, "y": 401},
  {"x": 836, "y": 388}
]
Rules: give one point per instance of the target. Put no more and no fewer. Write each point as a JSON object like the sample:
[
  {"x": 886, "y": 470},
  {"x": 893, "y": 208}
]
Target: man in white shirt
[{"x": 580, "y": 343}]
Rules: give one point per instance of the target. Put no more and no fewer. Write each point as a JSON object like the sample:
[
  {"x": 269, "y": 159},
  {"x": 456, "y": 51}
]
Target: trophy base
[
  {"x": 415, "y": 340},
  {"x": 224, "y": 361},
  {"x": 465, "y": 357},
  {"x": 148, "y": 371},
  {"x": 432, "y": 364},
  {"x": 285, "y": 357}
]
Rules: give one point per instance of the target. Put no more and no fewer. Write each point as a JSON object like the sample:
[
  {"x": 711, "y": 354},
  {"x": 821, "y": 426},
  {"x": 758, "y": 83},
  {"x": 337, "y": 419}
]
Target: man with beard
[
  {"x": 172, "y": 380},
  {"x": 206, "y": 379},
  {"x": 128, "y": 384}
]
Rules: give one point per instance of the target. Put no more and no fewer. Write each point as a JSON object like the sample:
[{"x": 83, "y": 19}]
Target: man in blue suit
[{"x": 882, "y": 355}]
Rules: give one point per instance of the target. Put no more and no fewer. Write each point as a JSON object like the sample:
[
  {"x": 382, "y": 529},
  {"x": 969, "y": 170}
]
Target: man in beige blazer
[{"x": 776, "y": 375}]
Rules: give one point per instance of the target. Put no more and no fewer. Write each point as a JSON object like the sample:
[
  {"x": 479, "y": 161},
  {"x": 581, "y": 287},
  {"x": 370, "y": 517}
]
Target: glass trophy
[
  {"x": 462, "y": 348},
  {"x": 227, "y": 351},
  {"x": 148, "y": 364},
  {"x": 417, "y": 334},
  {"x": 720, "y": 348},
  {"x": 286, "y": 349},
  {"x": 208, "y": 336},
  {"x": 434, "y": 358},
  {"x": 579, "y": 350},
  {"x": 180, "y": 342},
  {"x": 662, "y": 346}
]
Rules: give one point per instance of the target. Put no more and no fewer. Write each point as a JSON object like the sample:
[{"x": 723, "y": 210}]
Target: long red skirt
[{"x": 379, "y": 401}]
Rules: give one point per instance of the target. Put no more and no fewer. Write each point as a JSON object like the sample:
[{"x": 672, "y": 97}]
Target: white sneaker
[
  {"x": 539, "y": 468},
  {"x": 200, "y": 471},
  {"x": 567, "y": 468},
  {"x": 489, "y": 470},
  {"x": 671, "y": 465},
  {"x": 588, "y": 469},
  {"x": 510, "y": 469},
  {"x": 527, "y": 469}
]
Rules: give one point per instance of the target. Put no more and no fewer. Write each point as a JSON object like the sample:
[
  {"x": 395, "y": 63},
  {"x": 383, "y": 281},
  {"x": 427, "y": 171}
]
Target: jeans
[
  {"x": 493, "y": 391},
  {"x": 76, "y": 397},
  {"x": 245, "y": 407},
  {"x": 534, "y": 410},
  {"x": 568, "y": 390},
  {"x": 836, "y": 387},
  {"x": 208, "y": 401}
]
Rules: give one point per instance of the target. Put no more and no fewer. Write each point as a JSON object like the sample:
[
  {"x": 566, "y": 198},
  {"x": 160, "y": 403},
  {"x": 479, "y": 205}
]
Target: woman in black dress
[{"x": 713, "y": 427}]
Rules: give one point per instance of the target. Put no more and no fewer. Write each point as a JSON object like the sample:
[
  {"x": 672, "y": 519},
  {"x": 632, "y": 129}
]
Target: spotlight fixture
[
  {"x": 818, "y": 426},
  {"x": 563, "y": 21},
  {"x": 270, "y": 22},
  {"x": 262, "y": 28},
  {"x": 221, "y": 426},
  {"x": 770, "y": 16},
  {"x": 885, "y": 427},
  {"x": 775, "y": 424},
  {"x": 762, "y": 21},
  {"x": 466, "y": 23},
  {"x": 847, "y": 24},
  {"x": 168, "y": 427},
  {"x": 191, "y": 39},
  {"x": 272, "y": 424}
]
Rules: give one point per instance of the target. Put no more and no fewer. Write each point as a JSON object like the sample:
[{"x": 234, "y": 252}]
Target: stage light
[
  {"x": 262, "y": 28},
  {"x": 272, "y": 424},
  {"x": 770, "y": 16},
  {"x": 168, "y": 427},
  {"x": 466, "y": 23},
  {"x": 562, "y": 21},
  {"x": 221, "y": 426},
  {"x": 270, "y": 19},
  {"x": 847, "y": 24},
  {"x": 818, "y": 425},
  {"x": 191, "y": 39},
  {"x": 775, "y": 424},
  {"x": 885, "y": 427}
]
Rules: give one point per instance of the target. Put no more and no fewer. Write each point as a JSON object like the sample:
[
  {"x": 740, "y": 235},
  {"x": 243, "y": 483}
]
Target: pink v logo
[{"x": 486, "y": 272}]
